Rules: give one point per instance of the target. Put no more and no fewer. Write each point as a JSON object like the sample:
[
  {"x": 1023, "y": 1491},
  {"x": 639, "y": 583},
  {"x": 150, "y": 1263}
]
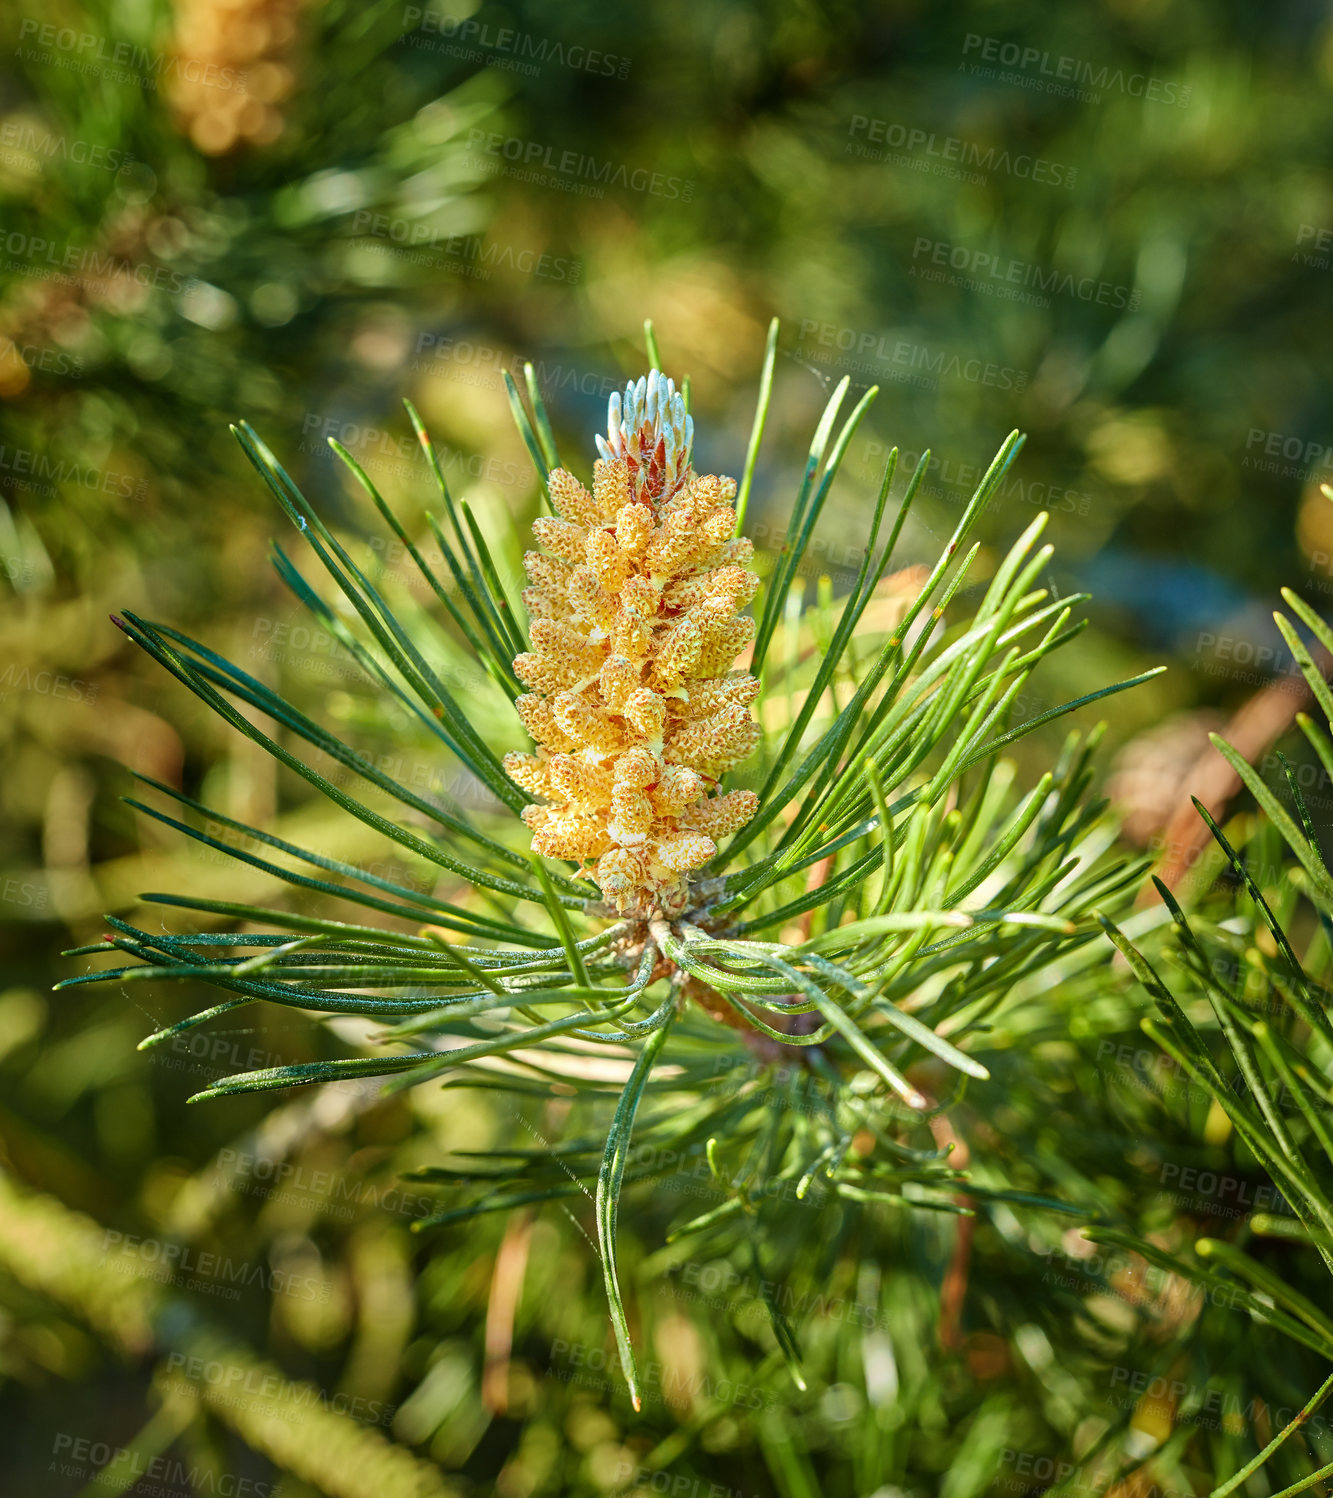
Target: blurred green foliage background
[{"x": 1108, "y": 224}]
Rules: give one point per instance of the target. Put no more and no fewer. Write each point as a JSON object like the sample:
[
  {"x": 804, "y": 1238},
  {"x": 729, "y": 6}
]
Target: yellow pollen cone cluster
[
  {"x": 234, "y": 68},
  {"x": 635, "y": 604}
]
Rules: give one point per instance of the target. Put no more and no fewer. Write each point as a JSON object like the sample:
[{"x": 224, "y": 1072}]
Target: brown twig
[
  {"x": 511, "y": 1265},
  {"x": 953, "y": 1287},
  {"x": 1259, "y": 723}
]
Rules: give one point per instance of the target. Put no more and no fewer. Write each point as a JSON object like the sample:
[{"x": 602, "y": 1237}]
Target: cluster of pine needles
[{"x": 818, "y": 996}]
